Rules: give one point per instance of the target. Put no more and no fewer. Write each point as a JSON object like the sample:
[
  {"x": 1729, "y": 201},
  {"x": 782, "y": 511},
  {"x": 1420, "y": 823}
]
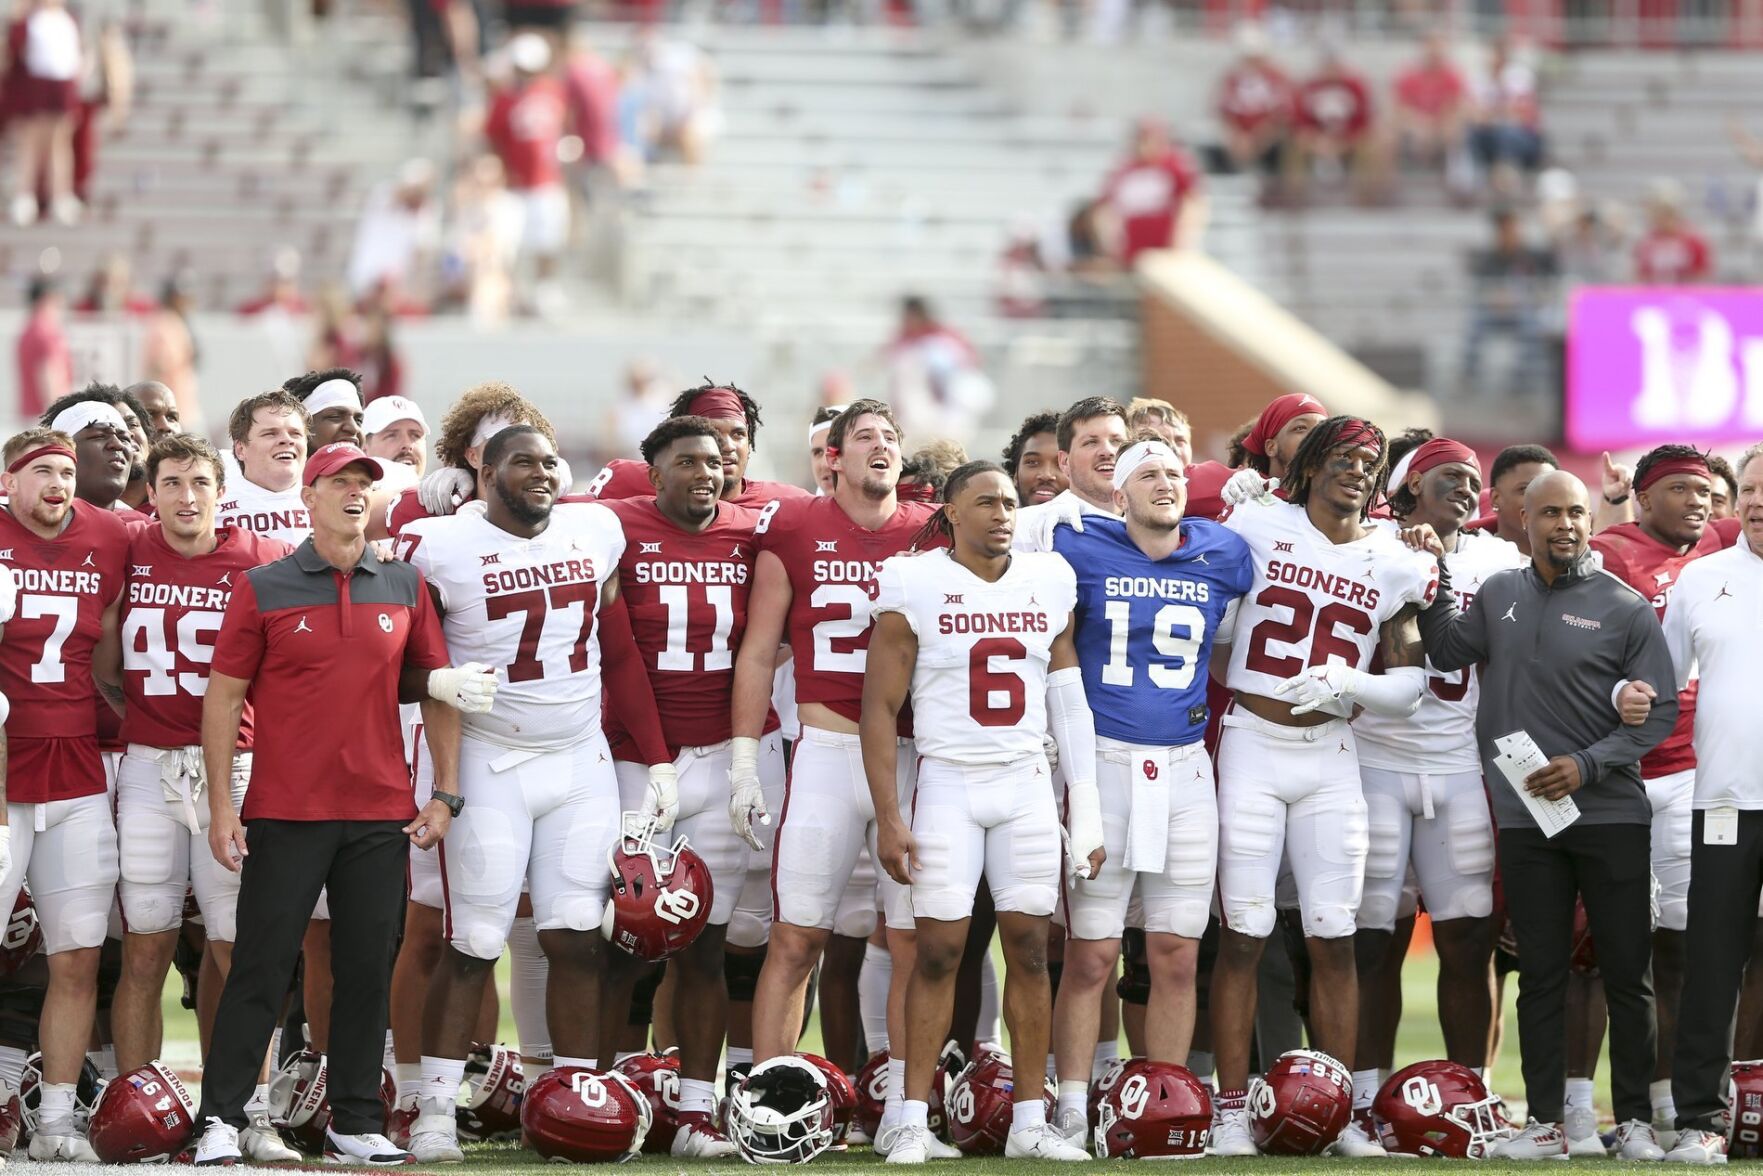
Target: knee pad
[
  {"x": 577, "y": 912},
  {"x": 642, "y": 1010},
  {"x": 149, "y": 910},
  {"x": 1330, "y": 922},
  {"x": 1377, "y": 910},
  {"x": 740, "y": 972},
  {"x": 1385, "y": 816},
  {"x": 1134, "y": 985},
  {"x": 479, "y": 942}
]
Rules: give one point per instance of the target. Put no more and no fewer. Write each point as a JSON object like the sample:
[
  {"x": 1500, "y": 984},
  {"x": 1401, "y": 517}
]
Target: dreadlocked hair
[
  {"x": 1653, "y": 457},
  {"x": 1239, "y": 458},
  {"x": 1324, "y": 439},
  {"x": 682, "y": 406},
  {"x": 937, "y": 531},
  {"x": 1402, "y": 502}
]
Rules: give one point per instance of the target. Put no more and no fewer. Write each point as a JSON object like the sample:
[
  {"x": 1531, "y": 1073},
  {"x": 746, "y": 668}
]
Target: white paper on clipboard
[{"x": 1521, "y": 757}]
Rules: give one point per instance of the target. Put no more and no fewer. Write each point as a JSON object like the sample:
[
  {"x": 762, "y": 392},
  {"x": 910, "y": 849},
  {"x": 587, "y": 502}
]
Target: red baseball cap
[{"x": 337, "y": 455}]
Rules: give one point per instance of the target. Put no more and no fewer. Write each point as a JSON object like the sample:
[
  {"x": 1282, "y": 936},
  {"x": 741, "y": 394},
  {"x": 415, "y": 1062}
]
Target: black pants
[
  {"x": 1607, "y": 865},
  {"x": 363, "y": 863},
  {"x": 1724, "y": 884}
]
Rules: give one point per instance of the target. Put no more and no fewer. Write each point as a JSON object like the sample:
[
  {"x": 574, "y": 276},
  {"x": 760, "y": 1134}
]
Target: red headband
[
  {"x": 1442, "y": 451},
  {"x": 1675, "y": 465},
  {"x": 1277, "y": 416},
  {"x": 915, "y": 492},
  {"x": 40, "y": 451},
  {"x": 1356, "y": 433},
  {"x": 717, "y": 404}
]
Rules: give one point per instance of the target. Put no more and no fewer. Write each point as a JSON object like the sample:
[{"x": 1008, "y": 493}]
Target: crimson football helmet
[
  {"x": 656, "y": 1077},
  {"x": 872, "y": 1093},
  {"x": 980, "y": 1104},
  {"x": 782, "y": 1113},
  {"x": 494, "y": 1083},
  {"x": 143, "y": 1117},
  {"x": 299, "y": 1100},
  {"x": 30, "y": 1094},
  {"x": 23, "y": 937},
  {"x": 1301, "y": 1104},
  {"x": 1438, "y": 1109},
  {"x": 584, "y": 1116},
  {"x": 1109, "y": 1079},
  {"x": 1153, "y": 1110},
  {"x": 1744, "y": 1111},
  {"x": 660, "y": 897},
  {"x": 843, "y": 1092}
]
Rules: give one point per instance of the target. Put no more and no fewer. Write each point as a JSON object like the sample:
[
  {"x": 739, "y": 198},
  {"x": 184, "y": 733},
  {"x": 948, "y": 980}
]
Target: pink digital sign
[{"x": 1648, "y": 365}]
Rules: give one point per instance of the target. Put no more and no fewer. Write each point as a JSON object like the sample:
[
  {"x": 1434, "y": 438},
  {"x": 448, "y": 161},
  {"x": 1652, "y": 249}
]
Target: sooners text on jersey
[{"x": 275, "y": 514}]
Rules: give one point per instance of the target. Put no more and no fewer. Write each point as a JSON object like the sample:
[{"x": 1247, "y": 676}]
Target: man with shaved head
[
  {"x": 161, "y": 403},
  {"x": 1563, "y": 646}
]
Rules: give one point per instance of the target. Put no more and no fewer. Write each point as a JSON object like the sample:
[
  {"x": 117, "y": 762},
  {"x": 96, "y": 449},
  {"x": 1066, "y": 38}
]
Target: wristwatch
[{"x": 452, "y": 800}]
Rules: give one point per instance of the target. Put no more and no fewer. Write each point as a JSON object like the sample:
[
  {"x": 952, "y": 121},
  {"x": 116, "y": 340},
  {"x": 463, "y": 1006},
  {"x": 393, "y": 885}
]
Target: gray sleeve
[
  {"x": 1645, "y": 658},
  {"x": 1454, "y": 638}
]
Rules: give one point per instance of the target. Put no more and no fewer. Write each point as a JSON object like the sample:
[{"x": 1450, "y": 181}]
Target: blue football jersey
[{"x": 1145, "y": 627}]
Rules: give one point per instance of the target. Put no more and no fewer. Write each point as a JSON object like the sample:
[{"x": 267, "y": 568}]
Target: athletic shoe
[
  {"x": 434, "y": 1135},
  {"x": 402, "y": 1119},
  {"x": 11, "y": 1119},
  {"x": 72, "y": 1149},
  {"x": 1358, "y": 1141},
  {"x": 1580, "y": 1125},
  {"x": 369, "y": 1149},
  {"x": 1538, "y": 1141},
  {"x": 263, "y": 1144},
  {"x": 856, "y": 1136},
  {"x": 698, "y": 1138},
  {"x": 219, "y": 1144},
  {"x": 1072, "y": 1125},
  {"x": 1042, "y": 1142},
  {"x": 908, "y": 1145},
  {"x": 1231, "y": 1135},
  {"x": 1695, "y": 1146},
  {"x": 1635, "y": 1141}
]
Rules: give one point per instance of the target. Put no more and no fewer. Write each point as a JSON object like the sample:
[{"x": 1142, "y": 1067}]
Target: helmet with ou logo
[
  {"x": 981, "y": 1102},
  {"x": 872, "y": 1093},
  {"x": 299, "y": 1100},
  {"x": 1438, "y": 1109},
  {"x": 584, "y": 1116},
  {"x": 1744, "y": 1107},
  {"x": 494, "y": 1083},
  {"x": 1099, "y": 1089},
  {"x": 656, "y": 1077},
  {"x": 1154, "y": 1110},
  {"x": 1301, "y": 1104},
  {"x": 661, "y": 896},
  {"x": 844, "y": 1094},
  {"x": 143, "y": 1117}
]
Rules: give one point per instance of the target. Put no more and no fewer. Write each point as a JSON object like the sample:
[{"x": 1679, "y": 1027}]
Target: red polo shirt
[{"x": 323, "y": 652}]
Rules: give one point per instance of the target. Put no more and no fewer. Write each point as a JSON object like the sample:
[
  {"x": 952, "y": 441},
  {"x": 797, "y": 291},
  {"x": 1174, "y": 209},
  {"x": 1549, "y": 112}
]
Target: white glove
[
  {"x": 1327, "y": 688},
  {"x": 1045, "y": 519},
  {"x": 442, "y": 490},
  {"x": 661, "y": 800},
  {"x": 1247, "y": 485},
  {"x": 5, "y": 850},
  {"x": 746, "y": 800},
  {"x": 1083, "y": 824},
  {"x": 1050, "y": 745},
  {"x": 470, "y": 688}
]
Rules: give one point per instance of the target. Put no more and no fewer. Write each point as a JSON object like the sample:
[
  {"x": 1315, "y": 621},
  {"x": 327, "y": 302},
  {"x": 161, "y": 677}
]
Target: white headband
[
  {"x": 1137, "y": 454},
  {"x": 332, "y": 393},
  {"x": 823, "y": 426},
  {"x": 1399, "y": 475},
  {"x": 488, "y": 427},
  {"x": 75, "y": 417}
]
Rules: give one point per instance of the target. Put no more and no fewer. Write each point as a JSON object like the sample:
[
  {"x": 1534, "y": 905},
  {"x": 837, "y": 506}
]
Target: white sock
[
  {"x": 1027, "y": 1115},
  {"x": 259, "y": 1100},
  {"x": 697, "y": 1095},
  {"x": 1052, "y": 1068},
  {"x": 1107, "y": 1053},
  {"x": 1074, "y": 1096},
  {"x": 1664, "y": 1106},
  {"x": 915, "y": 1113},
  {"x": 389, "y": 1057},
  {"x": 1478, "y": 1071},
  {"x": 989, "y": 1006},
  {"x": 275, "y": 1049},
  {"x": 104, "y": 1057},
  {"x": 533, "y": 1069},
  {"x": 895, "y": 1093},
  {"x": 1201, "y": 1064},
  {"x": 562, "y": 1062},
  {"x": 1579, "y": 1094},
  {"x": 12, "y": 1066},
  {"x": 529, "y": 973},
  {"x": 409, "y": 1079},
  {"x": 872, "y": 995},
  {"x": 739, "y": 1056},
  {"x": 1365, "y": 1086},
  {"x": 441, "y": 1078},
  {"x": 56, "y": 1108}
]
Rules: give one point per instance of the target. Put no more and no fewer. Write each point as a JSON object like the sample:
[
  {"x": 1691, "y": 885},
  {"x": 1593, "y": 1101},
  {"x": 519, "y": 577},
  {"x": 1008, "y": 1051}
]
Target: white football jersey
[
  {"x": 274, "y": 514},
  {"x": 979, "y": 689},
  {"x": 1440, "y": 736},
  {"x": 1315, "y": 602},
  {"x": 526, "y": 607}
]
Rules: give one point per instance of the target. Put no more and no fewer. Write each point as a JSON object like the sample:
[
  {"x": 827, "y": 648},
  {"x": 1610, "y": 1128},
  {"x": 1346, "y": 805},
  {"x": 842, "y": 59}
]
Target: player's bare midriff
[
  {"x": 1276, "y": 711},
  {"x": 818, "y": 714}
]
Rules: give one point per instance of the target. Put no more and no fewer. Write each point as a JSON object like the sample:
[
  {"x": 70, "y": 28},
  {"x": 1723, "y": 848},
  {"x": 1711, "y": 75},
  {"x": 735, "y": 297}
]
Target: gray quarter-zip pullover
[{"x": 1552, "y": 655}]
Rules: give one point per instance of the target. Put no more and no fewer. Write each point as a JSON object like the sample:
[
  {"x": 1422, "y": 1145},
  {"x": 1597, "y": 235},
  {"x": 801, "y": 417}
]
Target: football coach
[{"x": 325, "y": 641}]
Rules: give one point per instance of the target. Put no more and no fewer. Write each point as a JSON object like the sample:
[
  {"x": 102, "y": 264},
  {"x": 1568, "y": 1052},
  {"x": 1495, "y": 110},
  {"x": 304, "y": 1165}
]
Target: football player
[
  {"x": 531, "y": 590},
  {"x": 67, "y": 560},
  {"x": 161, "y": 406},
  {"x": 1330, "y": 591},
  {"x": 269, "y": 441},
  {"x": 1152, "y": 591},
  {"x": 180, "y": 577},
  {"x": 333, "y": 405},
  {"x": 1515, "y": 468},
  {"x": 980, "y": 639},
  {"x": 1261, "y": 461},
  {"x": 818, "y": 428},
  {"x": 1090, "y": 434},
  {"x": 1032, "y": 458},
  {"x": 104, "y": 439}
]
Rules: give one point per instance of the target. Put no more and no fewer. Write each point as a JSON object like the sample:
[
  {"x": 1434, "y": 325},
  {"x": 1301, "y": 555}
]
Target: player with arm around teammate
[
  {"x": 981, "y": 640},
  {"x": 1152, "y": 592}
]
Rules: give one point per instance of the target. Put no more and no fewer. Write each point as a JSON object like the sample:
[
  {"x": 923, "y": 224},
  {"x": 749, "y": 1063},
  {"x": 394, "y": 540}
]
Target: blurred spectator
[
  {"x": 281, "y": 290},
  {"x": 1430, "y": 99},
  {"x": 934, "y": 373},
  {"x": 644, "y": 406},
  {"x": 1022, "y": 272},
  {"x": 836, "y": 389},
  {"x": 1254, "y": 106},
  {"x": 1086, "y": 241},
  {"x": 1590, "y": 249},
  {"x": 1671, "y": 252},
  {"x": 591, "y": 84},
  {"x": 111, "y": 290},
  {"x": 399, "y": 231},
  {"x": 1505, "y": 133},
  {"x": 1512, "y": 286},
  {"x": 168, "y": 350},
  {"x": 107, "y": 91},
  {"x": 482, "y": 241},
  {"x": 552, "y": 16},
  {"x": 1164, "y": 419},
  {"x": 670, "y": 98},
  {"x": 44, "y": 60},
  {"x": 524, "y": 126},
  {"x": 1334, "y": 132},
  {"x": 45, "y": 364},
  {"x": 1155, "y": 196},
  {"x": 447, "y": 35},
  {"x": 337, "y": 332},
  {"x": 378, "y": 361}
]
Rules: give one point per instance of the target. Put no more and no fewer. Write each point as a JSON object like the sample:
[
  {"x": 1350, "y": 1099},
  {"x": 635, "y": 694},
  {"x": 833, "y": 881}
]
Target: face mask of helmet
[{"x": 782, "y": 1114}]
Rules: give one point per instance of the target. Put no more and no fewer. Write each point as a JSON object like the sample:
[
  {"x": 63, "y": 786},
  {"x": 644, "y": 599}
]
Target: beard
[{"x": 517, "y": 505}]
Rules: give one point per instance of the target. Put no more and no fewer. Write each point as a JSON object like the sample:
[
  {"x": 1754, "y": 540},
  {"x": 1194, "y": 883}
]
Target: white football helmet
[{"x": 782, "y": 1113}]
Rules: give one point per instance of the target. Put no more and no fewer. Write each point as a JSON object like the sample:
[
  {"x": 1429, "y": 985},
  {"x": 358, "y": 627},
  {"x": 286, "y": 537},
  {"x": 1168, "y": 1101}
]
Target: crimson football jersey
[
  {"x": 687, "y": 596},
  {"x": 625, "y": 478},
  {"x": 832, "y": 564},
  {"x": 1651, "y": 568},
  {"x": 170, "y": 615},
  {"x": 64, "y": 586}
]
